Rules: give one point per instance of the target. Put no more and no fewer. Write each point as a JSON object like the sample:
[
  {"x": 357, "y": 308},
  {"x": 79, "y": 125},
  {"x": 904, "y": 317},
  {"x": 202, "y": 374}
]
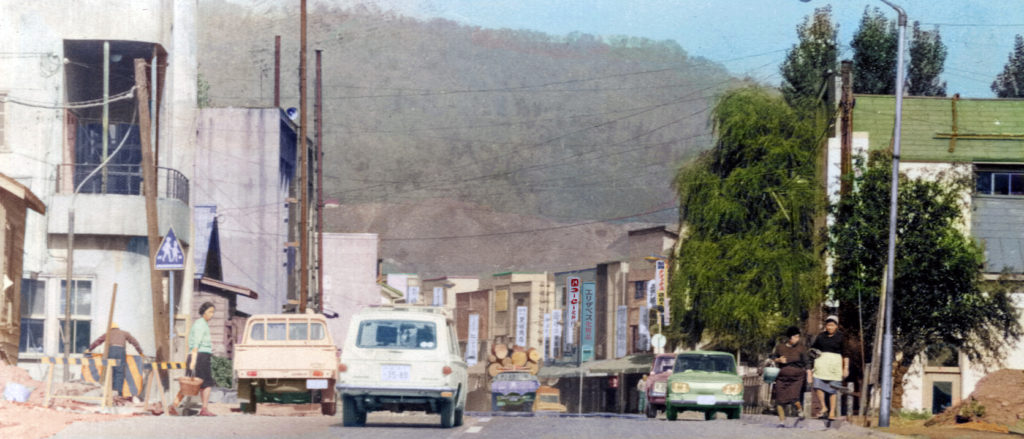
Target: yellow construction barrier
[
  {"x": 136, "y": 369},
  {"x": 87, "y": 362},
  {"x": 164, "y": 393}
]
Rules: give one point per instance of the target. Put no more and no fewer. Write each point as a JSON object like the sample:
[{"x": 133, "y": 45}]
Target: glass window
[
  {"x": 706, "y": 363},
  {"x": 31, "y": 340},
  {"x": 1016, "y": 184},
  {"x": 79, "y": 334},
  {"x": 81, "y": 314},
  {"x": 298, "y": 331},
  {"x": 33, "y": 298},
  {"x": 984, "y": 181},
  {"x": 1001, "y": 184},
  {"x": 316, "y": 331},
  {"x": 257, "y": 332},
  {"x": 276, "y": 331},
  {"x": 639, "y": 290},
  {"x": 81, "y": 297},
  {"x": 397, "y": 334}
]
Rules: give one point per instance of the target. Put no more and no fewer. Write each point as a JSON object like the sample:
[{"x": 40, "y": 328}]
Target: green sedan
[{"x": 704, "y": 381}]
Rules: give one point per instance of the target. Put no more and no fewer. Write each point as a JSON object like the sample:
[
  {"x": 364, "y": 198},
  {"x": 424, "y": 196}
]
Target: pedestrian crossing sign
[{"x": 169, "y": 255}]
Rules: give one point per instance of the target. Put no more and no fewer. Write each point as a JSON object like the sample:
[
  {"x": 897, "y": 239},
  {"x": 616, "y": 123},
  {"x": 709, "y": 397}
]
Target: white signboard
[
  {"x": 412, "y": 295},
  {"x": 620, "y": 331},
  {"x": 652, "y": 293},
  {"x": 438, "y": 296},
  {"x": 643, "y": 342},
  {"x": 521, "y": 316},
  {"x": 472, "y": 342},
  {"x": 547, "y": 333},
  {"x": 556, "y": 332},
  {"x": 572, "y": 289}
]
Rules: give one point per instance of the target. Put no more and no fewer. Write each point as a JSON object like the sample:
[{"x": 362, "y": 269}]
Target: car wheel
[
  {"x": 670, "y": 413},
  {"x": 351, "y": 416},
  {"x": 709, "y": 415},
  {"x": 650, "y": 411},
  {"x": 735, "y": 413},
  {"x": 494, "y": 402},
  {"x": 458, "y": 416},
  {"x": 447, "y": 414}
]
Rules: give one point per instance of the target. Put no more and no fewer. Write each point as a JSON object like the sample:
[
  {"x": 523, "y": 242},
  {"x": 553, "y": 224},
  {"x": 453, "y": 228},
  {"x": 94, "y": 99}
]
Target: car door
[{"x": 460, "y": 371}]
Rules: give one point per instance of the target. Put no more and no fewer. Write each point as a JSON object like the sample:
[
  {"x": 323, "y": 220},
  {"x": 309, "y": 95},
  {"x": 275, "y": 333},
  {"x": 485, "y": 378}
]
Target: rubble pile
[
  {"x": 997, "y": 399},
  {"x": 32, "y": 419}
]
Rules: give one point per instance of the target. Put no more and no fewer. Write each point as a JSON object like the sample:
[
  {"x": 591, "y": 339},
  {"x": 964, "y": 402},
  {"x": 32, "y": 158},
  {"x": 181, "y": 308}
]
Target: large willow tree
[{"x": 749, "y": 264}]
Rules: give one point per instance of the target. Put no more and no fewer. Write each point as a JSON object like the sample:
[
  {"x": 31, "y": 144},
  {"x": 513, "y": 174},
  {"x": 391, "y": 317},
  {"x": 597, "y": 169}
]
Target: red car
[{"x": 657, "y": 383}]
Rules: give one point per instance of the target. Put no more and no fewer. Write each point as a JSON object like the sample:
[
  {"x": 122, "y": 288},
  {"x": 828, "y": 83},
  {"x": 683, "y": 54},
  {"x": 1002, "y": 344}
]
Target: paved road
[{"x": 418, "y": 425}]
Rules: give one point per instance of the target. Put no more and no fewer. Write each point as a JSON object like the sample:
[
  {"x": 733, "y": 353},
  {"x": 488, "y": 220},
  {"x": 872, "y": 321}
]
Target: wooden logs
[
  {"x": 519, "y": 358},
  {"x": 500, "y": 351},
  {"x": 493, "y": 369},
  {"x": 533, "y": 355},
  {"x": 506, "y": 362}
]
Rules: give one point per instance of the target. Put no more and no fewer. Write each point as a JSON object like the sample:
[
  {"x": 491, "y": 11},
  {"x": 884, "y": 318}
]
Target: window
[
  {"x": 639, "y": 290},
  {"x": 276, "y": 331},
  {"x": 256, "y": 333},
  {"x": 81, "y": 314},
  {"x": 316, "y": 331},
  {"x": 298, "y": 331},
  {"x": 396, "y": 334},
  {"x": 999, "y": 182},
  {"x": 942, "y": 355},
  {"x": 33, "y": 316}
]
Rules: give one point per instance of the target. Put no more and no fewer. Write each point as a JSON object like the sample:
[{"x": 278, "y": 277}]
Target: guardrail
[{"x": 120, "y": 180}]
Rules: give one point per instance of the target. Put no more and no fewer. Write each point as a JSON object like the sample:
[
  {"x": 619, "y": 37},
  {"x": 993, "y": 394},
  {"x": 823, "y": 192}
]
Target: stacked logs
[{"x": 505, "y": 358}]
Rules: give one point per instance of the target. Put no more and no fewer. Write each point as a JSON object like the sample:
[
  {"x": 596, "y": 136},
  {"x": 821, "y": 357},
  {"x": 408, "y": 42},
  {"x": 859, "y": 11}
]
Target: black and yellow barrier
[
  {"x": 136, "y": 369},
  {"x": 96, "y": 362}
]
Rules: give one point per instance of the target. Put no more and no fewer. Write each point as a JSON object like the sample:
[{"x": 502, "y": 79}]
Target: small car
[
  {"x": 704, "y": 381},
  {"x": 513, "y": 389},
  {"x": 657, "y": 383},
  {"x": 402, "y": 358},
  {"x": 548, "y": 400}
]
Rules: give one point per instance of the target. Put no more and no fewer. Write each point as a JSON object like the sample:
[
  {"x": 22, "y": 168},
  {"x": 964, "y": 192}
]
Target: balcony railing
[{"x": 120, "y": 180}]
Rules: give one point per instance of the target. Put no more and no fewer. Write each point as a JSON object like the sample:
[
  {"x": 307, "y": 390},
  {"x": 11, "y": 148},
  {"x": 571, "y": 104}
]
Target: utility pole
[
  {"x": 319, "y": 116},
  {"x": 304, "y": 180},
  {"x": 160, "y": 321},
  {"x": 846, "y": 135},
  {"x": 277, "y": 71}
]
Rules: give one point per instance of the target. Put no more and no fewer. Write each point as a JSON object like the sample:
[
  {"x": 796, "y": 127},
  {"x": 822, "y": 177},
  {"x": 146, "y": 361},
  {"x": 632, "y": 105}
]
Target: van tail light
[
  {"x": 447, "y": 370},
  {"x": 342, "y": 367}
]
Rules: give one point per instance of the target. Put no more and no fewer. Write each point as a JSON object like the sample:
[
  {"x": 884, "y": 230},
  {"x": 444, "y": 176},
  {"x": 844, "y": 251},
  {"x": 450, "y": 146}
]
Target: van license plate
[
  {"x": 394, "y": 372},
  {"x": 316, "y": 384}
]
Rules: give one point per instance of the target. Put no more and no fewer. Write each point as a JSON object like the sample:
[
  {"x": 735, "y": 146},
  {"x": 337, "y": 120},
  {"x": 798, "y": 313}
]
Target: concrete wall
[
  {"x": 350, "y": 277},
  {"x": 237, "y": 168}
]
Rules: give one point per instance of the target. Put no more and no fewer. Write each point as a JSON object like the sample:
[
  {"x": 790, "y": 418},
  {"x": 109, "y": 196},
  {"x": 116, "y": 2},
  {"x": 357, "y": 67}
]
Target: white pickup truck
[{"x": 286, "y": 358}]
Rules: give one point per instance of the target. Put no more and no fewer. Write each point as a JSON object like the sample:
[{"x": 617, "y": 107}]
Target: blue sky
[{"x": 749, "y": 37}]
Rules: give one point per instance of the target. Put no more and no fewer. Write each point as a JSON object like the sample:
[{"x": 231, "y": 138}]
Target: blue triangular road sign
[{"x": 169, "y": 256}]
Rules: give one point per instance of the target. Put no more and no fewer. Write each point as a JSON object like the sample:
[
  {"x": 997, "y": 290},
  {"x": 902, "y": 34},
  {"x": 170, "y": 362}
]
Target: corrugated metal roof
[{"x": 928, "y": 122}]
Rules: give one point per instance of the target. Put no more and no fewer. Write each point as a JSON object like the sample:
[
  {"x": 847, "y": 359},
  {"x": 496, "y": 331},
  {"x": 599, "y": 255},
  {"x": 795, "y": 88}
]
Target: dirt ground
[{"x": 1000, "y": 394}]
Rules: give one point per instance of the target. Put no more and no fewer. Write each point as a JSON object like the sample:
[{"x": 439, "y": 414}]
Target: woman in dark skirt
[
  {"x": 200, "y": 348},
  {"x": 791, "y": 356}
]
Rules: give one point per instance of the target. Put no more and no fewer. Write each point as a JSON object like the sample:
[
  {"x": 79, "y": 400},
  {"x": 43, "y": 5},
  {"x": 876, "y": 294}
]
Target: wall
[{"x": 350, "y": 277}]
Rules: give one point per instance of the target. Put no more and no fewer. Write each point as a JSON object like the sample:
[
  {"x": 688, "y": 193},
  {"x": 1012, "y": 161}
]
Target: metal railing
[{"x": 120, "y": 180}]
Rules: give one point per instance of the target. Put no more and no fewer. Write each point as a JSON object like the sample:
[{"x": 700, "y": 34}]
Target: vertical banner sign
[
  {"x": 588, "y": 315},
  {"x": 659, "y": 278},
  {"x": 643, "y": 332},
  {"x": 521, "y": 316},
  {"x": 663, "y": 291},
  {"x": 547, "y": 334},
  {"x": 472, "y": 346},
  {"x": 572, "y": 288},
  {"x": 438, "y": 296},
  {"x": 652, "y": 293},
  {"x": 621, "y": 317},
  {"x": 412, "y": 295},
  {"x": 556, "y": 332}
]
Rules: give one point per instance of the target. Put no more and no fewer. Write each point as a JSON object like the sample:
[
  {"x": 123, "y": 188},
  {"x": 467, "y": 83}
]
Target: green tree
[
  {"x": 748, "y": 266},
  {"x": 1010, "y": 83},
  {"x": 874, "y": 54},
  {"x": 927, "y": 60},
  {"x": 811, "y": 62},
  {"x": 941, "y": 298}
]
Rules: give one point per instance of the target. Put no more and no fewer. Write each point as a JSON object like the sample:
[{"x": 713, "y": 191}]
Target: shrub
[{"x": 221, "y": 371}]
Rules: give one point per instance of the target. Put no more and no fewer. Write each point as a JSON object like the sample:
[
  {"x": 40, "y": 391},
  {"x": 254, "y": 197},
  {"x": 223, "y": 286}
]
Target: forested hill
[{"x": 564, "y": 127}]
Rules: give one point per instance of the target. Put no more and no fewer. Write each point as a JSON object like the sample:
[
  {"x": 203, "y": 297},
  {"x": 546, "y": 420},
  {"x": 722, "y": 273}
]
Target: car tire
[
  {"x": 458, "y": 416},
  {"x": 709, "y": 415},
  {"x": 494, "y": 402},
  {"x": 447, "y": 411},
  {"x": 351, "y": 416},
  {"x": 650, "y": 411},
  {"x": 670, "y": 413},
  {"x": 735, "y": 413}
]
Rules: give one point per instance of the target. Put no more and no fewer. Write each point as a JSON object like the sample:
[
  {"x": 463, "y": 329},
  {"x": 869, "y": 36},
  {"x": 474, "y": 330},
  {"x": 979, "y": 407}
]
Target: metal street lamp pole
[{"x": 887, "y": 354}]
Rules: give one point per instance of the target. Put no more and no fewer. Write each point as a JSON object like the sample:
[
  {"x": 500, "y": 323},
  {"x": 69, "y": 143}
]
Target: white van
[{"x": 399, "y": 358}]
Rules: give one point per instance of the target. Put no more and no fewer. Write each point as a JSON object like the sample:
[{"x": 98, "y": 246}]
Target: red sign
[{"x": 574, "y": 298}]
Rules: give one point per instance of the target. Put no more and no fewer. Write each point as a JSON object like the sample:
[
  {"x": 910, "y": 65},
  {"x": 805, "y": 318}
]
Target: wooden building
[{"x": 15, "y": 200}]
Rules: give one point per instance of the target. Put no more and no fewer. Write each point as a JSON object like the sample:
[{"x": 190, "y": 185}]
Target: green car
[{"x": 704, "y": 381}]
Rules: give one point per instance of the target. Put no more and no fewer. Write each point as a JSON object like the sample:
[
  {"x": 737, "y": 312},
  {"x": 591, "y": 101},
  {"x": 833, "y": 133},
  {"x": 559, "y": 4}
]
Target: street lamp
[{"x": 886, "y": 383}]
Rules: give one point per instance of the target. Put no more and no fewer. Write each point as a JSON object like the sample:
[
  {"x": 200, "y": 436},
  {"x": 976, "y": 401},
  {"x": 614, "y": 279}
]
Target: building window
[
  {"x": 33, "y": 315},
  {"x": 81, "y": 314},
  {"x": 1000, "y": 182},
  {"x": 639, "y": 290}
]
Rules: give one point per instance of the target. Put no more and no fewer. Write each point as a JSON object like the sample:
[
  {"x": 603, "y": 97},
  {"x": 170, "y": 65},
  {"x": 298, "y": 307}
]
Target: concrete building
[
  {"x": 614, "y": 294},
  {"x": 450, "y": 287},
  {"x": 646, "y": 247},
  {"x": 53, "y": 139},
  {"x": 974, "y": 138},
  {"x": 568, "y": 342},
  {"x": 409, "y": 285},
  {"x": 520, "y": 302},
  {"x": 350, "y": 278}
]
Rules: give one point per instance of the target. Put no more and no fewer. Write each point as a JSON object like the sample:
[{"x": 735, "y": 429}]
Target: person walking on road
[
  {"x": 831, "y": 366},
  {"x": 200, "y": 350},
  {"x": 791, "y": 357},
  {"x": 118, "y": 338},
  {"x": 641, "y": 390}
]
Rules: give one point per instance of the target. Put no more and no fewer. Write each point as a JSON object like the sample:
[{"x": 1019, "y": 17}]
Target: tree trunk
[{"x": 899, "y": 372}]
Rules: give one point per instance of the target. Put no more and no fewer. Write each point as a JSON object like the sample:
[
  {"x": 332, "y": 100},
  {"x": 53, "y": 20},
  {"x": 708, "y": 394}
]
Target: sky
[{"x": 749, "y": 37}]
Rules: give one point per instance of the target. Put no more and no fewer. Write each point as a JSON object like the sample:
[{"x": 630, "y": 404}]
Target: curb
[{"x": 557, "y": 415}]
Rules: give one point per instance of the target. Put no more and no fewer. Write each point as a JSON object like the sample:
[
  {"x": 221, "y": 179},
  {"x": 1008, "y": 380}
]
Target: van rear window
[{"x": 397, "y": 334}]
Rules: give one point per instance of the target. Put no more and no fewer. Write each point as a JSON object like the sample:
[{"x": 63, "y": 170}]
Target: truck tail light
[
  {"x": 318, "y": 373},
  {"x": 342, "y": 367},
  {"x": 446, "y": 370}
]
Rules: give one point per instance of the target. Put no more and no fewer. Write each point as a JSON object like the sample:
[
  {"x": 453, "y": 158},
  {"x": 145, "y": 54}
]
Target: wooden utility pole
[
  {"x": 846, "y": 134},
  {"x": 160, "y": 322},
  {"x": 304, "y": 180},
  {"x": 277, "y": 71},
  {"x": 318, "y": 122}
]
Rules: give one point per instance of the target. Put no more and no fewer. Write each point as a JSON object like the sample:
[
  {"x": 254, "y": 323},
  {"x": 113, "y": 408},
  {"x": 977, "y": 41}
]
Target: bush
[
  {"x": 972, "y": 410},
  {"x": 915, "y": 415},
  {"x": 221, "y": 371}
]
